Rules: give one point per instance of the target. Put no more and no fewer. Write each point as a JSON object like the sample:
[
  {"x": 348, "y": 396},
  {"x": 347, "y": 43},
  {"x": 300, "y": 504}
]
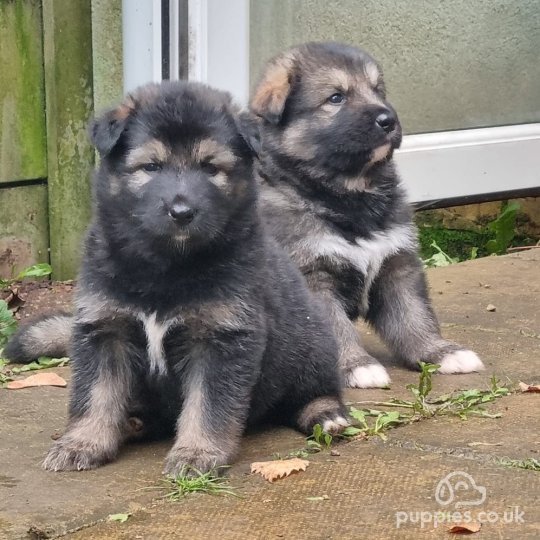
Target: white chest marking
[
  {"x": 155, "y": 332},
  {"x": 366, "y": 254}
]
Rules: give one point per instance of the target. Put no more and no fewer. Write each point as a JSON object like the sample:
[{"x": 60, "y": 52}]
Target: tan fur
[
  {"x": 152, "y": 151},
  {"x": 380, "y": 153},
  {"x": 95, "y": 437},
  {"x": 193, "y": 444},
  {"x": 271, "y": 93},
  {"x": 359, "y": 183},
  {"x": 295, "y": 143},
  {"x": 215, "y": 153},
  {"x": 372, "y": 73},
  {"x": 124, "y": 109},
  {"x": 212, "y": 317}
]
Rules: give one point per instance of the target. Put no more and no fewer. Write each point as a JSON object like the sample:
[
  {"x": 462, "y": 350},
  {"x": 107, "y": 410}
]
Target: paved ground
[{"x": 371, "y": 487}]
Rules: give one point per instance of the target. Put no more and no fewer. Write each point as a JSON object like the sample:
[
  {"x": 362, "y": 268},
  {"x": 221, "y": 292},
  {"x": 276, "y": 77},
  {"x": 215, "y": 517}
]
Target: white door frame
[{"x": 462, "y": 165}]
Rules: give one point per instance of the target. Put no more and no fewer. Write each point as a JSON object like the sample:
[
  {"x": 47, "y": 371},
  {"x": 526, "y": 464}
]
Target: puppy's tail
[{"x": 49, "y": 335}]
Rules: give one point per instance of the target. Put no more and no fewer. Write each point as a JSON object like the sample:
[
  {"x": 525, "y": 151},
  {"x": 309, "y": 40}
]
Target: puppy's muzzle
[
  {"x": 386, "y": 121},
  {"x": 182, "y": 213}
]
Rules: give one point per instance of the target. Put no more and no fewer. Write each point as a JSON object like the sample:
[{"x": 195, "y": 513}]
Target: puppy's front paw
[
  {"x": 463, "y": 361},
  {"x": 69, "y": 454},
  {"x": 368, "y": 376},
  {"x": 183, "y": 461}
]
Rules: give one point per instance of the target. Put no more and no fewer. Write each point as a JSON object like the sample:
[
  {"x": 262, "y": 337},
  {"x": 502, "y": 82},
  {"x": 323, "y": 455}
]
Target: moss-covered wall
[
  {"x": 107, "y": 52},
  {"x": 22, "y": 98},
  {"x": 59, "y": 61}
]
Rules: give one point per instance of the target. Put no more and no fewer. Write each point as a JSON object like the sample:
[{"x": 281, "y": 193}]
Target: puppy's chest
[
  {"x": 365, "y": 255},
  {"x": 168, "y": 339}
]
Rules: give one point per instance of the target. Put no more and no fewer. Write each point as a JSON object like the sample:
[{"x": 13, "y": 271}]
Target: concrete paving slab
[
  {"x": 366, "y": 485},
  {"x": 370, "y": 490}
]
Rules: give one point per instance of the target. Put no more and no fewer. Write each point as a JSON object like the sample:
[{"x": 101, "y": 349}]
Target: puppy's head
[
  {"x": 323, "y": 109},
  {"x": 175, "y": 169}
]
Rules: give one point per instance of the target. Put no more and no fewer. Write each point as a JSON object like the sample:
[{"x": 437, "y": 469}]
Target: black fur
[
  {"x": 245, "y": 342},
  {"x": 332, "y": 198}
]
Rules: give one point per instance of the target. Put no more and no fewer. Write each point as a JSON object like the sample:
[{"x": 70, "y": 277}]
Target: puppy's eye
[
  {"x": 209, "y": 168},
  {"x": 151, "y": 167},
  {"x": 336, "y": 99}
]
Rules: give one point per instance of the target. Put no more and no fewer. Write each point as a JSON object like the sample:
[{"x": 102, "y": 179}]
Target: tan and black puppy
[
  {"x": 332, "y": 198},
  {"x": 189, "y": 320}
]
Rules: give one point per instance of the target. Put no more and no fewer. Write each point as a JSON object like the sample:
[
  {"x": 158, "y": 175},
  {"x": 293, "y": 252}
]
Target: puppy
[
  {"x": 332, "y": 198},
  {"x": 189, "y": 318}
]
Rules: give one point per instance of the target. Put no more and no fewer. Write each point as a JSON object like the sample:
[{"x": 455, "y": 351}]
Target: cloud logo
[{"x": 459, "y": 484}]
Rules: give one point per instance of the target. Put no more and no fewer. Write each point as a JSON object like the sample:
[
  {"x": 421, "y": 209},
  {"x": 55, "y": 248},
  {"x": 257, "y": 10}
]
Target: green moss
[
  {"x": 456, "y": 243},
  {"x": 22, "y": 125}
]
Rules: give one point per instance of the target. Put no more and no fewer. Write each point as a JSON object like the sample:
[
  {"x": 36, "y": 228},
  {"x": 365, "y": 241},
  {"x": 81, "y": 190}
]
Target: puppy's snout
[
  {"x": 182, "y": 213},
  {"x": 386, "y": 121}
]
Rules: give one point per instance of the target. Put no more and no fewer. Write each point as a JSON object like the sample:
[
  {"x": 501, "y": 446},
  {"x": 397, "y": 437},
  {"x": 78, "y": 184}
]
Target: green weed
[
  {"x": 504, "y": 228},
  {"x": 191, "y": 480},
  {"x": 303, "y": 453},
  {"x": 319, "y": 439},
  {"x": 43, "y": 362},
  {"x": 8, "y": 323},
  {"x": 462, "y": 403},
  {"x": 439, "y": 258},
  {"x": 34, "y": 271},
  {"x": 383, "y": 421},
  {"x": 530, "y": 464}
]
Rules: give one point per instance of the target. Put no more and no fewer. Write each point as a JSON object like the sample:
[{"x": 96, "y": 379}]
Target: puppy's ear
[
  {"x": 248, "y": 125},
  {"x": 106, "y": 130},
  {"x": 272, "y": 92}
]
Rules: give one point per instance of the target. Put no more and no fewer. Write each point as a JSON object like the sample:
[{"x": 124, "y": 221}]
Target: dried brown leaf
[
  {"x": 465, "y": 528},
  {"x": 533, "y": 388},
  {"x": 40, "y": 379},
  {"x": 273, "y": 470}
]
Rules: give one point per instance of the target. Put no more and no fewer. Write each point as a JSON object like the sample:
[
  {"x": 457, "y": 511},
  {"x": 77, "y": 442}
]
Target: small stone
[
  {"x": 334, "y": 453},
  {"x": 491, "y": 307},
  {"x": 487, "y": 286}
]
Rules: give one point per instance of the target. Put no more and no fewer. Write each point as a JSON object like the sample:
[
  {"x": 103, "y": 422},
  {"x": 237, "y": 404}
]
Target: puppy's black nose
[
  {"x": 386, "y": 121},
  {"x": 181, "y": 213}
]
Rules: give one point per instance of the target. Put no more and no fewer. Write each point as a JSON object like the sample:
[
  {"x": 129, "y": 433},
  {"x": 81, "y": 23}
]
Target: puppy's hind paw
[
  {"x": 369, "y": 376},
  {"x": 463, "y": 361},
  {"x": 335, "y": 425},
  {"x": 328, "y": 412}
]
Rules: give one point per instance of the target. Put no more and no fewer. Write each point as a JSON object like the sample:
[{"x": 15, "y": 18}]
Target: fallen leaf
[
  {"x": 534, "y": 388},
  {"x": 121, "y": 518},
  {"x": 40, "y": 379},
  {"x": 465, "y": 528},
  {"x": 272, "y": 470}
]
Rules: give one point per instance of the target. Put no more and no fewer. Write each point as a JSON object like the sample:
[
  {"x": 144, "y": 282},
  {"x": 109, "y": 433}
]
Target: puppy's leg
[
  {"x": 219, "y": 378},
  {"x": 328, "y": 411},
  {"x": 98, "y": 423},
  {"x": 359, "y": 368},
  {"x": 401, "y": 312}
]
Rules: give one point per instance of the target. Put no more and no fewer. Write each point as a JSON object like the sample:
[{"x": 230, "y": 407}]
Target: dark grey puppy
[
  {"x": 332, "y": 198},
  {"x": 188, "y": 318}
]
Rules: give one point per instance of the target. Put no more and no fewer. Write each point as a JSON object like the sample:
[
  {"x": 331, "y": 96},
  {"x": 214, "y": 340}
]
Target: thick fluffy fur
[
  {"x": 332, "y": 198},
  {"x": 188, "y": 319}
]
